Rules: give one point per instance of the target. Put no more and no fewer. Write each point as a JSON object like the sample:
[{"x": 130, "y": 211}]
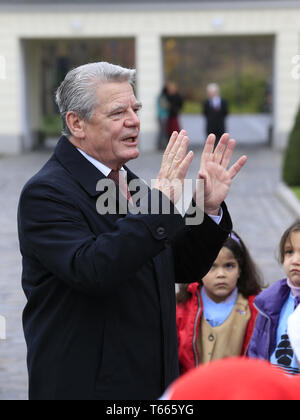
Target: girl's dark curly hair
[{"x": 250, "y": 281}]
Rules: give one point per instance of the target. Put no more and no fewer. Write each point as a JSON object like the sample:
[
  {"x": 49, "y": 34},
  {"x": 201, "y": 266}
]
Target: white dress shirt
[{"x": 102, "y": 168}]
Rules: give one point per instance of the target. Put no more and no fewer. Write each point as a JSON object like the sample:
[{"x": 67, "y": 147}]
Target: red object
[
  {"x": 235, "y": 379},
  {"x": 172, "y": 125},
  {"x": 187, "y": 314},
  {"x": 120, "y": 181}
]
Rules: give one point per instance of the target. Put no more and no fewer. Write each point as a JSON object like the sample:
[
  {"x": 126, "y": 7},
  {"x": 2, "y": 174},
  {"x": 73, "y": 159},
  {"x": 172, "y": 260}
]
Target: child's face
[
  {"x": 223, "y": 277},
  {"x": 291, "y": 260}
]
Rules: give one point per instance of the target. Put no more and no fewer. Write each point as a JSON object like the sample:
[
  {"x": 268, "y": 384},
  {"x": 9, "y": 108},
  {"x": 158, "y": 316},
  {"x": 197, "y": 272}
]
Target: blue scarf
[{"x": 217, "y": 313}]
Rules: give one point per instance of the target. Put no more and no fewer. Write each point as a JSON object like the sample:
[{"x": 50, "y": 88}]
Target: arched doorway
[{"x": 241, "y": 65}]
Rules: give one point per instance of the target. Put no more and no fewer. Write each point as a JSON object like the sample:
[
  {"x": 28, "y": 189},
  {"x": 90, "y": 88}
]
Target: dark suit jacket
[
  {"x": 100, "y": 318},
  {"x": 215, "y": 118}
]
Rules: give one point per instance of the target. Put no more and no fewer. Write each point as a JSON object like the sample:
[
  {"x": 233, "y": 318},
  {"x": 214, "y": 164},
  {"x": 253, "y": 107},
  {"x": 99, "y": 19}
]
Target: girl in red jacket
[{"x": 216, "y": 317}]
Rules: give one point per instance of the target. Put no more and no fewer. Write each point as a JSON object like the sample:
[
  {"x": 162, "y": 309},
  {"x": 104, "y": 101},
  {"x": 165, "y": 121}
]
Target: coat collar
[
  {"x": 271, "y": 300},
  {"x": 193, "y": 288},
  {"x": 80, "y": 168}
]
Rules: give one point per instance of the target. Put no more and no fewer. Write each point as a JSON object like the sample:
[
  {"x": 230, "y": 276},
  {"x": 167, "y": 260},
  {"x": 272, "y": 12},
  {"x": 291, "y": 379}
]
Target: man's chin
[
  {"x": 131, "y": 155},
  {"x": 134, "y": 154},
  {"x": 137, "y": 155}
]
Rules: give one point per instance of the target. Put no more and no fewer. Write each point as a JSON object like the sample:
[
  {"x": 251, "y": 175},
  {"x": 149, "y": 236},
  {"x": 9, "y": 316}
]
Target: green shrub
[
  {"x": 51, "y": 125},
  {"x": 296, "y": 191},
  {"x": 192, "y": 107},
  {"x": 291, "y": 164},
  {"x": 245, "y": 95}
]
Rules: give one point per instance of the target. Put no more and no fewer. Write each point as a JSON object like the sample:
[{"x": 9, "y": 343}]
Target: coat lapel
[{"x": 85, "y": 173}]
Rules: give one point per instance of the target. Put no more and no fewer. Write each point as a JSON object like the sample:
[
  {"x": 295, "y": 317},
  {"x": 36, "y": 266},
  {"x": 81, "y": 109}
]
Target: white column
[
  {"x": 10, "y": 88},
  {"x": 286, "y": 86},
  {"x": 31, "y": 93},
  {"x": 149, "y": 83}
]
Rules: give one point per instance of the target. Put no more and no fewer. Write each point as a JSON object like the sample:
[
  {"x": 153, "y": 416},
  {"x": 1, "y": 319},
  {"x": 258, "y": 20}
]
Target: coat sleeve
[
  {"x": 225, "y": 110},
  {"x": 195, "y": 248},
  {"x": 54, "y": 233},
  {"x": 252, "y": 349},
  {"x": 205, "y": 107}
]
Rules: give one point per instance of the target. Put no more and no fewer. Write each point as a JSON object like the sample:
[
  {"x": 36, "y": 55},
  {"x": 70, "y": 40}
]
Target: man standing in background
[{"x": 215, "y": 110}]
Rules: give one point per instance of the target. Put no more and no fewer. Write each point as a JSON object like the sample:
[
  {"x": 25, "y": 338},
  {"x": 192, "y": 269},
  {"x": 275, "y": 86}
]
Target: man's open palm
[{"x": 215, "y": 172}]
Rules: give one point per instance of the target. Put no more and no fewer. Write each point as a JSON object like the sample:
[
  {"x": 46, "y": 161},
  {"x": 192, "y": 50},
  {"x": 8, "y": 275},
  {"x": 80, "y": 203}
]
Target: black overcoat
[
  {"x": 100, "y": 318},
  {"x": 215, "y": 118}
]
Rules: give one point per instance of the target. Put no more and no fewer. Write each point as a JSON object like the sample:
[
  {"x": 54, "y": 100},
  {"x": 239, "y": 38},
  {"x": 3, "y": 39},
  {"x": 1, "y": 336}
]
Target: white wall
[{"x": 147, "y": 28}]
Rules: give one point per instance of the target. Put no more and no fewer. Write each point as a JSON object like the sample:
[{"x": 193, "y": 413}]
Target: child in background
[
  {"x": 276, "y": 304},
  {"x": 216, "y": 316}
]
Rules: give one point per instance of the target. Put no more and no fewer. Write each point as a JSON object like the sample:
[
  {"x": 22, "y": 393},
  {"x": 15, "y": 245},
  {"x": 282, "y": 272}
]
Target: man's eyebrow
[
  {"x": 121, "y": 108},
  {"x": 117, "y": 108}
]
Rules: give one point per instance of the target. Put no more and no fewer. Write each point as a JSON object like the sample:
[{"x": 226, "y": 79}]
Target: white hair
[
  {"x": 213, "y": 87},
  {"x": 77, "y": 92}
]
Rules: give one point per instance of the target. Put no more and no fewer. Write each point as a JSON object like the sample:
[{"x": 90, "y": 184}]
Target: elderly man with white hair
[
  {"x": 100, "y": 318},
  {"x": 215, "y": 110}
]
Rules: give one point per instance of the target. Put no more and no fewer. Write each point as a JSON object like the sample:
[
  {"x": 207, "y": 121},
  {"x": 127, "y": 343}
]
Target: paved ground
[
  {"x": 249, "y": 129},
  {"x": 258, "y": 215}
]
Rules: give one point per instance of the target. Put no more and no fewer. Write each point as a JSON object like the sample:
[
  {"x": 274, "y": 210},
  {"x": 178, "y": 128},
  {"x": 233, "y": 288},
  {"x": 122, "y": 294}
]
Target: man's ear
[{"x": 75, "y": 125}]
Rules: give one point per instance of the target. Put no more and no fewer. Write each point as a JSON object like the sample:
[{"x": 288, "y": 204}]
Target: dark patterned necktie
[{"x": 120, "y": 181}]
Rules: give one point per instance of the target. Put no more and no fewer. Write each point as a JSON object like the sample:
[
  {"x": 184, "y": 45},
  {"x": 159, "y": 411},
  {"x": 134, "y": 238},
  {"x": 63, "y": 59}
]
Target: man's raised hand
[
  {"x": 175, "y": 164},
  {"x": 215, "y": 172}
]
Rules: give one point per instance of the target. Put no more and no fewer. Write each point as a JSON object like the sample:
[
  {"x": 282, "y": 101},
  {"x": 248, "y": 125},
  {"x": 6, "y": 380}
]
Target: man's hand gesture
[
  {"x": 215, "y": 173},
  {"x": 175, "y": 164},
  {"x": 213, "y": 169}
]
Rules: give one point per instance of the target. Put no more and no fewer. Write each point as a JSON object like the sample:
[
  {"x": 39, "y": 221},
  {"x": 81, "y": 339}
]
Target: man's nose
[{"x": 132, "y": 120}]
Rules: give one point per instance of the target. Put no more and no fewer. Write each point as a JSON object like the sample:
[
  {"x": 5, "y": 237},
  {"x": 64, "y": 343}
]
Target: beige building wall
[{"x": 19, "y": 106}]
